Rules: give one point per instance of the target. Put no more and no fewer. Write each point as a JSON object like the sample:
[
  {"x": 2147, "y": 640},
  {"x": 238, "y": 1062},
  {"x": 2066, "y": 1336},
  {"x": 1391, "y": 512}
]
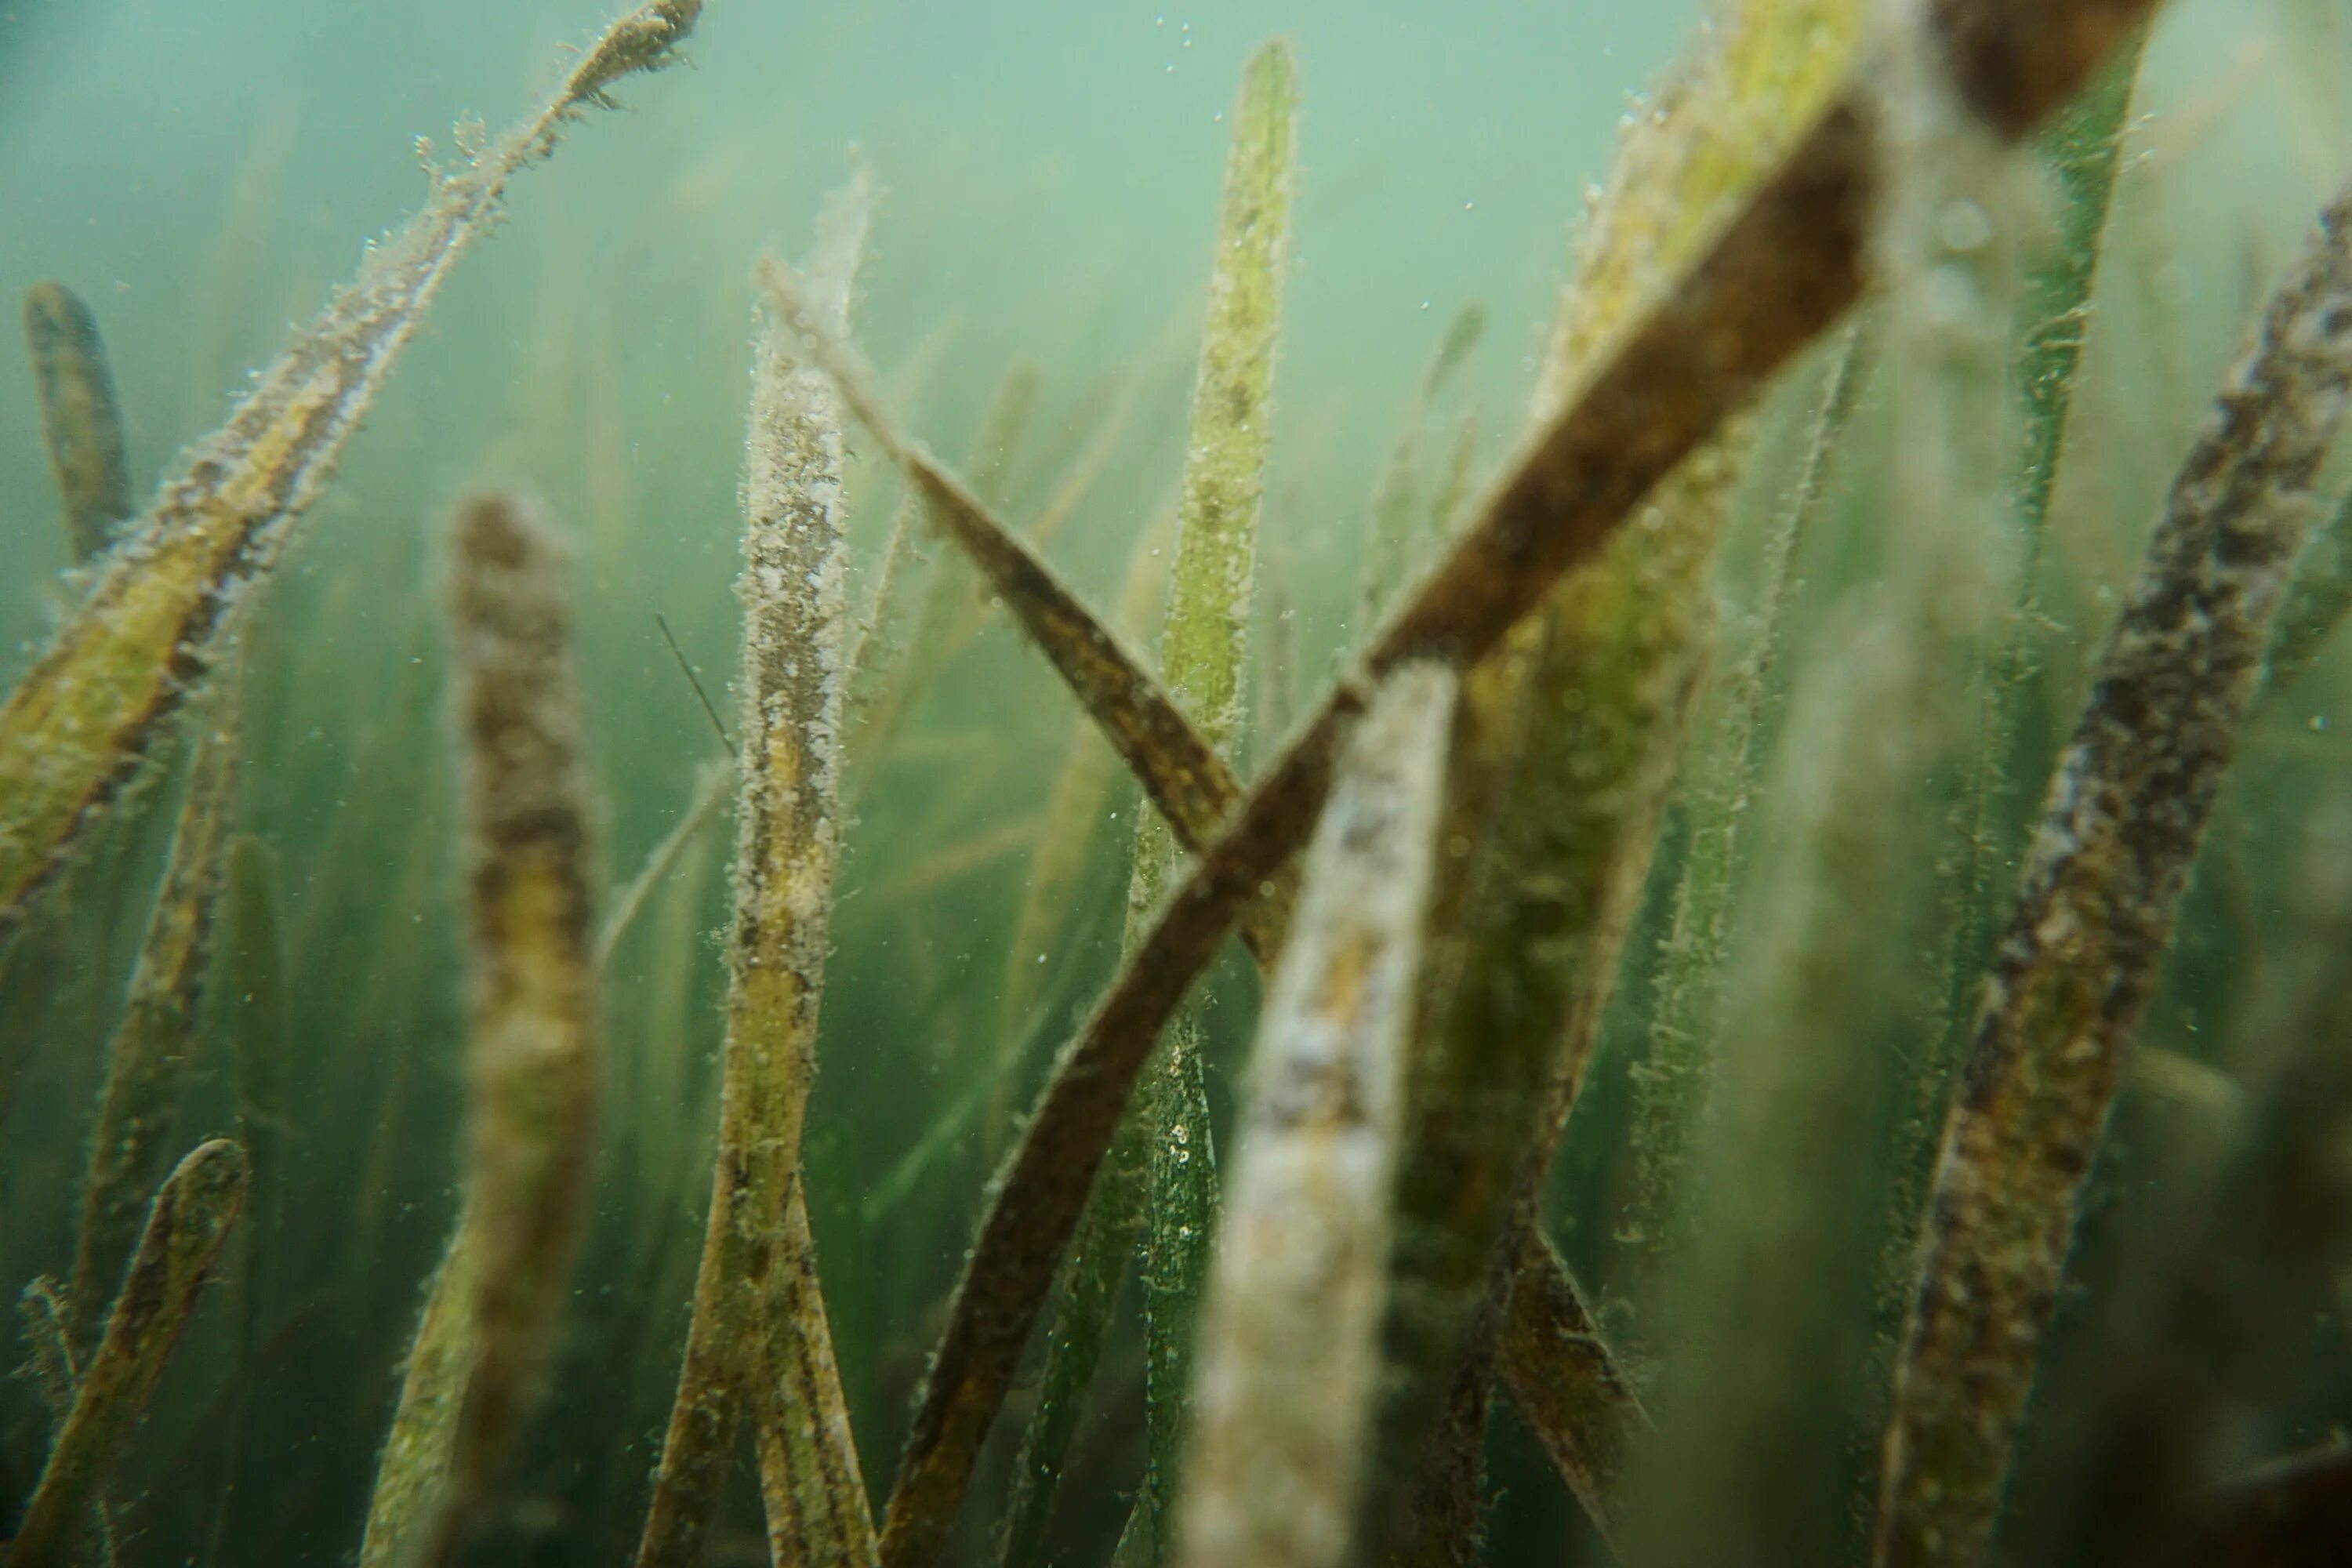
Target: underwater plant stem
[
  {"x": 758, "y": 1348},
  {"x": 1117, "y": 1206},
  {"x": 186, "y": 1227},
  {"x": 1289, "y": 1353},
  {"x": 1782, "y": 262},
  {"x": 148, "y": 1061},
  {"x": 2126, "y": 810},
  {"x": 872, "y": 637},
  {"x": 1766, "y": 1300},
  {"x": 81, "y": 423},
  {"x": 1204, "y": 658},
  {"x": 1781, "y": 267},
  {"x": 54, "y": 1369},
  {"x": 77, "y": 727},
  {"x": 1569, "y": 752},
  {"x": 492, "y": 1306},
  {"x": 2085, "y": 147}
]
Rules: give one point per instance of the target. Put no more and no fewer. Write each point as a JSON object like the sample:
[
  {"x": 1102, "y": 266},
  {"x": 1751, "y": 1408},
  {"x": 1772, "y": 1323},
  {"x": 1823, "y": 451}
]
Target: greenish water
[{"x": 206, "y": 174}]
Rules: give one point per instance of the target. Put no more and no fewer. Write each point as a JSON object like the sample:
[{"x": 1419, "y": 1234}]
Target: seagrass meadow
[{"x": 1272, "y": 786}]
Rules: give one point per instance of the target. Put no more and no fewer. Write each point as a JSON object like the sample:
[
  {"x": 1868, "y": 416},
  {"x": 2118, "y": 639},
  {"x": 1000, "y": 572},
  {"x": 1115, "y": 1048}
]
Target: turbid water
[{"x": 1658, "y": 929}]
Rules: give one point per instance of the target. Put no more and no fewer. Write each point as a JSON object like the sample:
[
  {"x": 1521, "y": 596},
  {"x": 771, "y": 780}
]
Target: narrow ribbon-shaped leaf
[{"x": 78, "y": 725}]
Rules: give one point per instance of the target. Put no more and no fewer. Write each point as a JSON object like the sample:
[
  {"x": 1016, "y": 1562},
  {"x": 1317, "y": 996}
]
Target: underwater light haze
[{"x": 1528, "y": 782}]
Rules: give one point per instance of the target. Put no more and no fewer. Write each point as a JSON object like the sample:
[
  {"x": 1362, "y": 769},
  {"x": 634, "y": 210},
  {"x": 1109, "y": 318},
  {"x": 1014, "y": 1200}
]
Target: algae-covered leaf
[
  {"x": 1289, "y": 1352},
  {"x": 492, "y": 1310},
  {"x": 757, "y": 1345},
  {"x": 1786, "y": 261},
  {"x": 186, "y": 1226},
  {"x": 2086, "y": 148},
  {"x": 817, "y": 1508},
  {"x": 1204, "y": 658},
  {"x": 1182, "y": 772},
  {"x": 1773, "y": 1269},
  {"x": 412, "y": 1467},
  {"x": 1572, "y": 732},
  {"x": 1073, "y": 808},
  {"x": 80, "y": 422},
  {"x": 148, "y": 1060},
  {"x": 1204, "y": 654},
  {"x": 77, "y": 727},
  {"x": 56, "y": 1371},
  {"x": 1036, "y": 1200},
  {"x": 2224, "y": 1287},
  {"x": 1568, "y": 1388},
  {"x": 1098, "y": 1256},
  {"x": 1722, "y": 777},
  {"x": 2101, "y": 889},
  {"x": 1205, "y": 637},
  {"x": 530, "y": 1051},
  {"x": 1086, "y": 466}
]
